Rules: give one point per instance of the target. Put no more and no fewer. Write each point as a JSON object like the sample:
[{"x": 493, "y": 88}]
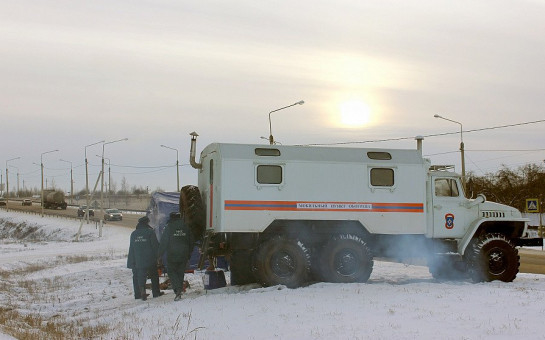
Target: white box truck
[{"x": 293, "y": 214}]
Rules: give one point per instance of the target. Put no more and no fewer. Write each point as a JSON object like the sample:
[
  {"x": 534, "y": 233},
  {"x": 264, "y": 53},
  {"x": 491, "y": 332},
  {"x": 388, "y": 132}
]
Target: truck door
[{"x": 449, "y": 211}]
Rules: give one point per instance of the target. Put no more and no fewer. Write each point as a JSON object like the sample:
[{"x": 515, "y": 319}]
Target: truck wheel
[
  {"x": 192, "y": 207},
  {"x": 493, "y": 257},
  {"x": 346, "y": 258},
  {"x": 282, "y": 261}
]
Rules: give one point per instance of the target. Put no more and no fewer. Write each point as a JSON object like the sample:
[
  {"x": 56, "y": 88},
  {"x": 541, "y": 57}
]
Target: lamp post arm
[{"x": 271, "y": 138}]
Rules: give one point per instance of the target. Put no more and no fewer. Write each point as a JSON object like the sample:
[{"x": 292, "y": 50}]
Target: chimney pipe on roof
[
  {"x": 192, "y": 152},
  {"x": 419, "y": 140}
]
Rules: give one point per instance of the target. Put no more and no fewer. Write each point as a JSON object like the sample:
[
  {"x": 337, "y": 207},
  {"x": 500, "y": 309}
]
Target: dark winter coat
[
  {"x": 143, "y": 247},
  {"x": 176, "y": 240}
]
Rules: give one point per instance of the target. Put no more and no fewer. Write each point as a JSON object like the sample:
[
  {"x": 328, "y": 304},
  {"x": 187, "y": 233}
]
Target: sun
[{"x": 355, "y": 113}]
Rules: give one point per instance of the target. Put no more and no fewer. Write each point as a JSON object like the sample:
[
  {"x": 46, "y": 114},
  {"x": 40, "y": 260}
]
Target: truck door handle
[{"x": 438, "y": 206}]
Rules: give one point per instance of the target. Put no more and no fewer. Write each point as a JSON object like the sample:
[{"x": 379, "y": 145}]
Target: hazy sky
[{"x": 73, "y": 73}]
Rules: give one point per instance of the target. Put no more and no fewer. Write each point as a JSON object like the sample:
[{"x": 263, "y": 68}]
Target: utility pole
[
  {"x": 461, "y": 149},
  {"x": 87, "y": 179},
  {"x": 71, "y": 181},
  {"x": 177, "y": 167}
]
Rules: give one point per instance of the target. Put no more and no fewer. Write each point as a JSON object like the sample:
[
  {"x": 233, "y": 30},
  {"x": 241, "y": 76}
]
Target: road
[
  {"x": 531, "y": 260},
  {"x": 129, "y": 218}
]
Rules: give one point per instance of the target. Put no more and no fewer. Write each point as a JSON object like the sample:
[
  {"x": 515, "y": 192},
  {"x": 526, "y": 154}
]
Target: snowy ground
[{"x": 46, "y": 276}]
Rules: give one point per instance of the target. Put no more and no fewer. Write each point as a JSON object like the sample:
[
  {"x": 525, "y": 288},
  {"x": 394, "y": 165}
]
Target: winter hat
[{"x": 144, "y": 219}]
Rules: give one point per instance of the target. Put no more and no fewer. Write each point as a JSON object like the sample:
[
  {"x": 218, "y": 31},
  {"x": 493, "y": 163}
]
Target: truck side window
[
  {"x": 384, "y": 156},
  {"x": 267, "y": 152},
  {"x": 269, "y": 174},
  {"x": 446, "y": 187},
  {"x": 382, "y": 177}
]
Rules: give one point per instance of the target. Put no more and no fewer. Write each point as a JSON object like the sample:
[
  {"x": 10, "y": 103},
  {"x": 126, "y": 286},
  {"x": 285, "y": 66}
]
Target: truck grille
[{"x": 491, "y": 214}]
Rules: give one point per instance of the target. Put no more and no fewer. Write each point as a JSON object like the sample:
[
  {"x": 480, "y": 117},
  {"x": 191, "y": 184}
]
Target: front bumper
[{"x": 529, "y": 242}]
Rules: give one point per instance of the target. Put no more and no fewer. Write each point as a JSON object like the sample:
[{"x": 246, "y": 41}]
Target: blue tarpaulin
[
  {"x": 160, "y": 206},
  {"x": 159, "y": 209}
]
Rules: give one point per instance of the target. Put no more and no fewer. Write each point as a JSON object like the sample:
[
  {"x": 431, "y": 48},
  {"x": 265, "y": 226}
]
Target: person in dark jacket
[
  {"x": 177, "y": 241},
  {"x": 142, "y": 259}
]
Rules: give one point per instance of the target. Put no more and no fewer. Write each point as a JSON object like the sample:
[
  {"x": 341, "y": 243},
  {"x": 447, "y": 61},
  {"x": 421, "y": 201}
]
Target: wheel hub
[
  {"x": 345, "y": 263},
  {"x": 496, "y": 261},
  {"x": 283, "y": 264}
]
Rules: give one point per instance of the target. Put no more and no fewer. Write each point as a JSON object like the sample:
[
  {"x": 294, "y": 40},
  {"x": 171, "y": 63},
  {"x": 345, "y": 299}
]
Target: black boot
[{"x": 143, "y": 294}]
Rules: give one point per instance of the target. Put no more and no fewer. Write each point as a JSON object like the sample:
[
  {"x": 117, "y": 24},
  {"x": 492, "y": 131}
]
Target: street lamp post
[
  {"x": 17, "y": 195},
  {"x": 177, "y": 167},
  {"x": 71, "y": 181},
  {"x": 87, "y": 178},
  {"x": 109, "y": 186},
  {"x": 7, "y": 182},
  {"x": 42, "y": 167},
  {"x": 109, "y": 181},
  {"x": 271, "y": 138},
  {"x": 102, "y": 185},
  {"x": 461, "y": 148}
]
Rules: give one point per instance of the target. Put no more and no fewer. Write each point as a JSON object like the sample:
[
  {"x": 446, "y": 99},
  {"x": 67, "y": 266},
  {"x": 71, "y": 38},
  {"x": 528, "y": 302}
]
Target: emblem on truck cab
[{"x": 449, "y": 221}]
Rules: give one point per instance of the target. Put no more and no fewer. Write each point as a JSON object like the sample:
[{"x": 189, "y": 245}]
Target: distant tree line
[
  {"x": 125, "y": 190},
  {"x": 510, "y": 186}
]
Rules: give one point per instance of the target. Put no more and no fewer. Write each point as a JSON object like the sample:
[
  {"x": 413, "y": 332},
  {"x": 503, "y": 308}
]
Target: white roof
[{"x": 314, "y": 153}]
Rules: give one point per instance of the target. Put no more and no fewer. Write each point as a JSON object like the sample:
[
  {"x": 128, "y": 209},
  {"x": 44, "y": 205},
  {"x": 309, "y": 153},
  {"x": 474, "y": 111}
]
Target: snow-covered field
[{"x": 82, "y": 289}]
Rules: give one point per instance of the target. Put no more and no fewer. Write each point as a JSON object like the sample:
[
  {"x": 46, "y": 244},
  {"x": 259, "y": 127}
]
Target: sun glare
[{"x": 355, "y": 113}]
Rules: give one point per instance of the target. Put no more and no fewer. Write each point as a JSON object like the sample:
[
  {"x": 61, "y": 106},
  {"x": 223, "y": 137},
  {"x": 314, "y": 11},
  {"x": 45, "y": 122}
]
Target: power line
[
  {"x": 138, "y": 173},
  {"x": 508, "y": 150},
  {"x": 426, "y": 136},
  {"x": 505, "y": 150}
]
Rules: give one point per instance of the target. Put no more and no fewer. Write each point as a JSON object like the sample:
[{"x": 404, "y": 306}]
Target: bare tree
[
  {"x": 124, "y": 186},
  {"x": 509, "y": 186}
]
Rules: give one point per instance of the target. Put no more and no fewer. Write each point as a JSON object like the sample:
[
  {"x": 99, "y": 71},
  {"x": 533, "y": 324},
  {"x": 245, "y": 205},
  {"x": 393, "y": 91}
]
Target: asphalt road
[
  {"x": 531, "y": 260},
  {"x": 129, "y": 218}
]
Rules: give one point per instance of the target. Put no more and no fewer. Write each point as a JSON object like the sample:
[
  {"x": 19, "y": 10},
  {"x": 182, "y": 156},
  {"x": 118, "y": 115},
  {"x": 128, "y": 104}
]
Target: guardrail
[
  {"x": 34, "y": 212},
  {"x": 54, "y": 213},
  {"x": 77, "y": 206}
]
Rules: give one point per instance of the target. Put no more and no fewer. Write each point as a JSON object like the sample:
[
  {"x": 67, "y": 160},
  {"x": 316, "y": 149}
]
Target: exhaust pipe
[{"x": 192, "y": 152}]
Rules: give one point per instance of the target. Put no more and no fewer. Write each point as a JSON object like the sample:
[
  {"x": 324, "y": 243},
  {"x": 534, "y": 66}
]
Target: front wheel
[
  {"x": 494, "y": 257},
  {"x": 282, "y": 261}
]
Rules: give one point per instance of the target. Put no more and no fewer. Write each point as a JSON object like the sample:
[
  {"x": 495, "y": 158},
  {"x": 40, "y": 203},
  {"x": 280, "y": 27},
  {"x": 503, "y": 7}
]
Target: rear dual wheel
[
  {"x": 282, "y": 261},
  {"x": 345, "y": 258}
]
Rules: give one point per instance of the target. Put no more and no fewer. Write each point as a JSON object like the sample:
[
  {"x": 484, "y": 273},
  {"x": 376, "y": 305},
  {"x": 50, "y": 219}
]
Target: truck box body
[{"x": 312, "y": 184}]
